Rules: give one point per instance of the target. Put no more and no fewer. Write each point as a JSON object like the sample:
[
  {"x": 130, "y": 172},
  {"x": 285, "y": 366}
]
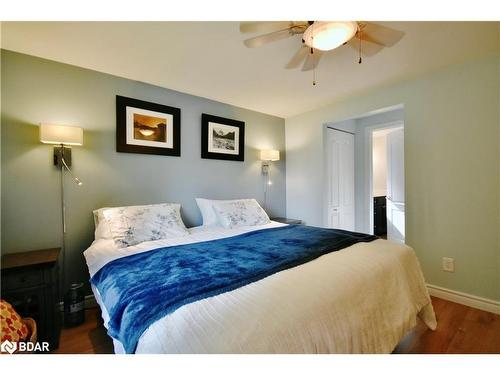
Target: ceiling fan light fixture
[{"x": 326, "y": 36}]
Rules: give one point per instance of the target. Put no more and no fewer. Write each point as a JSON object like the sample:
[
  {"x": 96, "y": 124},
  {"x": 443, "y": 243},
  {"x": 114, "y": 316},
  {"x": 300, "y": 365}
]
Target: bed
[{"x": 361, "y": 299}]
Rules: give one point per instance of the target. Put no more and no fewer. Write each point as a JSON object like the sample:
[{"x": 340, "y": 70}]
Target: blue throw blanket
[{"x": 140, "y": 289}]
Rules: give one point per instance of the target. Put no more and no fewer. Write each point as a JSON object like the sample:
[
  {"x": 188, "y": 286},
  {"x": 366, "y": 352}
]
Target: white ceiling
[{"x": 209, "y": 59}]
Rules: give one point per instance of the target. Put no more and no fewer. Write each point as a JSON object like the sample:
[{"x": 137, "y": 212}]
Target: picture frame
[
  {"x": 222, "y": 138},
  {"x": 147, "y": 128}
]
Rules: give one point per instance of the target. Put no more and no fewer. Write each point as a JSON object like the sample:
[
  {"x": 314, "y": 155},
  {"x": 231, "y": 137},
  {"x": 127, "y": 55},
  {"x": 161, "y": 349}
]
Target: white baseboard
[
  {"x": 465, "y": 299},
  {"x": 89, "y": 302}
]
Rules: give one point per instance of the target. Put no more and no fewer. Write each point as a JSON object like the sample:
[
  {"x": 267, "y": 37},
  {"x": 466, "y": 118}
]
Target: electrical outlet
[{"x": 448, "y": 264}]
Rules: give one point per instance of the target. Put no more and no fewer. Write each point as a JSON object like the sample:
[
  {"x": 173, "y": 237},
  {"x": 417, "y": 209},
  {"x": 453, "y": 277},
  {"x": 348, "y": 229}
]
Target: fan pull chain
[
  {"x": 314, "y": 68},
  {"x": 312, "y": 54},
  {"x": 359, "y": 36}
]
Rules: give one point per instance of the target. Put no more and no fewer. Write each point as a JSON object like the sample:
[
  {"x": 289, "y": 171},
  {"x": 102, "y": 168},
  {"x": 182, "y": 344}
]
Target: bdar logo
[
  {"x": 27, "y": 347},
  {"x": 8, "y": 347}
]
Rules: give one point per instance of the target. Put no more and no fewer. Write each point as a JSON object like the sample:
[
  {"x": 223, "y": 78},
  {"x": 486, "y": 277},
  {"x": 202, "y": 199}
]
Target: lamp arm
[{"x": 77, "y": 180}]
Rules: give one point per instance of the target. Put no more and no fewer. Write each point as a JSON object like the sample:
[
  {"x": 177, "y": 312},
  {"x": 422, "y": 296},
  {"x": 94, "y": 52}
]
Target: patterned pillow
[
  {"x": 240, "y": 213},
  {"x": 102, "y": 230},
  {"x": 135, "y": 224},
  {"x": 13, "y": 328}
]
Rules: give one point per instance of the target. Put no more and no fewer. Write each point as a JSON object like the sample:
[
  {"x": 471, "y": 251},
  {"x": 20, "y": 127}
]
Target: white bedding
[{"x": 362, "y": 299}]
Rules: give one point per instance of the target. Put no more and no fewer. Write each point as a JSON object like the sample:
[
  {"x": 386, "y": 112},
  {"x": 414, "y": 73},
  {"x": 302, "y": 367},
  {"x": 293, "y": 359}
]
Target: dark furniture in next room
[{"x": 379, "y": 216}]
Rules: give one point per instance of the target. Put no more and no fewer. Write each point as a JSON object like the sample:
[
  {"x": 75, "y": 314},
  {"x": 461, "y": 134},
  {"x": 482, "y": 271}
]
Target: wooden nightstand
[
  {"x": 285, "y": 220},
  {"x": 30, "y": 282}
]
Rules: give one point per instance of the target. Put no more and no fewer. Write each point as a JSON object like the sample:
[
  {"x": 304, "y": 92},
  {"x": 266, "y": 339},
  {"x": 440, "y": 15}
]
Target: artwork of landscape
[
  {"x": 223, "y": 140},
  {"x": 149, "y": 128}
]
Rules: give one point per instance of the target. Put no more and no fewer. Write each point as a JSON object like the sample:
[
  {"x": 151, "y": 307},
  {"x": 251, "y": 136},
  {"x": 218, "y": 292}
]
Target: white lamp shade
[
  {"x": 326, "y": 36},
  {"x": 269, "y": 155},
  {"x": 59, "y": 134}
]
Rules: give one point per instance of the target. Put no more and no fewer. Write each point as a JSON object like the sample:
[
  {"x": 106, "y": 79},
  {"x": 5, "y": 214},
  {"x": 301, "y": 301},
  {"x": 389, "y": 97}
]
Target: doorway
[
  {"x": 354, "y": 182},
  {"x": 387, "y": 182}
]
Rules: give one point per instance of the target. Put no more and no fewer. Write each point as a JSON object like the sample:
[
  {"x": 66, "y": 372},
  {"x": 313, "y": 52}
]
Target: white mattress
[{"x": 362, "y": 299}]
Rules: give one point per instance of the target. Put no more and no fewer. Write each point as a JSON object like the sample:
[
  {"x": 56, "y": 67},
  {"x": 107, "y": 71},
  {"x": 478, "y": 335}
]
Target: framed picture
[
  {"x": 222, "y": 138},
  {"x": 147, "y": 128}
]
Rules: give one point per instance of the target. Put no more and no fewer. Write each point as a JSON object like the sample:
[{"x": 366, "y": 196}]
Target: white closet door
[
  {"x": 395, "y": 186},
  {"x": 340, "y": 174}
]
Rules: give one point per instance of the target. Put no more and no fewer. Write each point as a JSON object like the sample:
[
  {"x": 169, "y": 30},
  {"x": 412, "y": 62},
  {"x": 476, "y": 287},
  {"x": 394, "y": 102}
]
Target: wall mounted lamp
[
  {"x": 268, "y": 156},
  {"x": 63, "y": 136}
]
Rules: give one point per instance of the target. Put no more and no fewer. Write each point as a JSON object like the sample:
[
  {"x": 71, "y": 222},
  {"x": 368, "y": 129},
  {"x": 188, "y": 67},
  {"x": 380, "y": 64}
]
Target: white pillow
[
  {"x": 102, "y": 230},
  {"x": 240, "y": 213},
  {"x": 207, "y": 210},
  {"x": 135, "y": 224}
]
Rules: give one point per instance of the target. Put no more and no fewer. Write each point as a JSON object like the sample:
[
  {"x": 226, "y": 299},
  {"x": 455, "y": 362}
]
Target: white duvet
[{"x": 362, "y": 299}]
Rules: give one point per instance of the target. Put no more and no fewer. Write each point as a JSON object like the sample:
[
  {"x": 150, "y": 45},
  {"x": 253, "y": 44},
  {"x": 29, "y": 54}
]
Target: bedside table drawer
[{"x": 22, "y": 279}]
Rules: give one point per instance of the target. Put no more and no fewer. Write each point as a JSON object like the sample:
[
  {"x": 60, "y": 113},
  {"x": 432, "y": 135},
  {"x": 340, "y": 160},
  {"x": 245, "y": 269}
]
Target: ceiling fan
[{"x": 318, "y": 37}]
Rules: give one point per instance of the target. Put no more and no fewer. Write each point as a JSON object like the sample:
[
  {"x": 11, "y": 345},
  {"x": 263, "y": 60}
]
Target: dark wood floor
[
  {"x": 88, "y": 338},
  {"x": 461, "y": 330}
]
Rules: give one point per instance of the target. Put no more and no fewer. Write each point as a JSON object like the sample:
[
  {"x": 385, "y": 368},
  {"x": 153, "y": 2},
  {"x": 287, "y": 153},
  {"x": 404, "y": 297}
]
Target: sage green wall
[
  {"x": 35, "y": 90},
  {"x": 452, "y": 145}
]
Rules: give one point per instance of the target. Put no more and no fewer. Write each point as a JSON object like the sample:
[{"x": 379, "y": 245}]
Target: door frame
[{"x": 368, "y": 151}]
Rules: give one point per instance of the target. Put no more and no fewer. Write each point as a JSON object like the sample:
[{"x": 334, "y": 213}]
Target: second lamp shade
[{"x": 269, "y": 155}]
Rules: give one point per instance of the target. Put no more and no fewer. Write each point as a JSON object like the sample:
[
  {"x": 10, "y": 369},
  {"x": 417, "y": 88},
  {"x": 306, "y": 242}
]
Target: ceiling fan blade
[
  {"x": 267, "y": 38},
  {"x": 298, "y": 57},
  {"x": 263, "y": 27},
  {"x": 366, "y": 37},
  {"x": 312, "y": 60},
  {"x": 379, "y": 34},
  {"x": 367, "y": 48}
]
